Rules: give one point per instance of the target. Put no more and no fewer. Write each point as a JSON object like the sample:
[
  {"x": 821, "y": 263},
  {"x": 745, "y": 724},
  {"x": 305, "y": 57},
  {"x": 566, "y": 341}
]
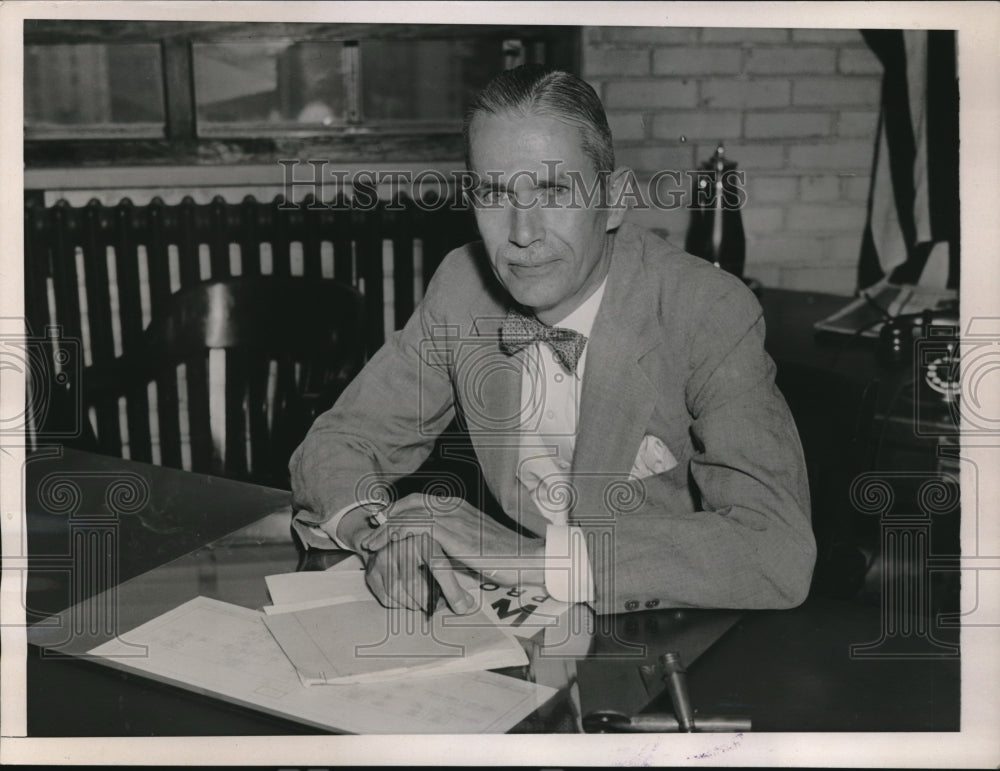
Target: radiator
[{"x": 99, "y": 273}]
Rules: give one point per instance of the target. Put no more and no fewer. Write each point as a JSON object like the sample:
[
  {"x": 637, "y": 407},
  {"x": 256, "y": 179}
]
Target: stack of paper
[{"x": 226, "y": 651}]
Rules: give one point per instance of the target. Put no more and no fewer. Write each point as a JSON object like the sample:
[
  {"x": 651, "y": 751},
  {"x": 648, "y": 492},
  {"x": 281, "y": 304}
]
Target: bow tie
[{"x": 519, "y": 331}]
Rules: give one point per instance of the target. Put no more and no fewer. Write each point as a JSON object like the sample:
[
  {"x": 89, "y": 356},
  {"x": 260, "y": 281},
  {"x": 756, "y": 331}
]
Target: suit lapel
[
  {"x": 625, "y": 329},
  {"x": 490, "y": 384}
]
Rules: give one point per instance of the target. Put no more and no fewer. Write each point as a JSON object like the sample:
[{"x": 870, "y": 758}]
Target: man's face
[{"x": 548, "y": 248}]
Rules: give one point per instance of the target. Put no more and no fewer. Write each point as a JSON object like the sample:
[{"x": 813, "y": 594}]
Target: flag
[{"x": 912, "y": 229}]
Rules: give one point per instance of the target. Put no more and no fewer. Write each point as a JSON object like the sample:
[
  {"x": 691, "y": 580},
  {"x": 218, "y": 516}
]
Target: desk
[{"x": 192, "y": 534}]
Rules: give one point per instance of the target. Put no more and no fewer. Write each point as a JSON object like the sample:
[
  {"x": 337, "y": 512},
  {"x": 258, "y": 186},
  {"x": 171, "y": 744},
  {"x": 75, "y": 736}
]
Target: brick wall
[{"x": 796, "y": 109}]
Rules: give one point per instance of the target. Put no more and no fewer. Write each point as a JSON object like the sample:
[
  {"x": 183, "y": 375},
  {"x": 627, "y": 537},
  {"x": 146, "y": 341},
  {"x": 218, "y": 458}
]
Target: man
[{"x": 615, "y": 388}]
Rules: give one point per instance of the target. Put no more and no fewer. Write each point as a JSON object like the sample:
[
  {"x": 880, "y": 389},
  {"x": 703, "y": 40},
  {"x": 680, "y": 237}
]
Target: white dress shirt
[{"x": 550, "y": 414}]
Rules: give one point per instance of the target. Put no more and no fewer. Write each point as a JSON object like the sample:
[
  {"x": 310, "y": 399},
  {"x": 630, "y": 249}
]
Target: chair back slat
[
  {"x": 258, "y": 375},
  {"x": 237, "y": 377},
  {"x": 204, "y": 453},
  {"x": 168, "y": 416}
]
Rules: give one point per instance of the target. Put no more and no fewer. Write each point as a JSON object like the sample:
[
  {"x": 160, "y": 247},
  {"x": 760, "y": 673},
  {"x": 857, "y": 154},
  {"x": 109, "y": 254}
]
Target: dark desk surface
[{"x": 789, "y": 670}]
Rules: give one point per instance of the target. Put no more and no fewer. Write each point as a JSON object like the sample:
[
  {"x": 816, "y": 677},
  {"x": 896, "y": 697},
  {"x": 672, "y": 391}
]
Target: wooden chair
[{"x": 245, "y": 364}]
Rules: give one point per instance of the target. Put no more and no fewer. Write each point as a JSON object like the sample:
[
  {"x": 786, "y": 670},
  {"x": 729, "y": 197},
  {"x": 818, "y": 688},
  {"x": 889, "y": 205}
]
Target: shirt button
[
  {"x": 558, "y": 377},
  {"x": 563, "y": 464},
  {"x": 631, "y": 605},
  {"x": 550, "y": 415},
  {"x": 652, "y": 603}
]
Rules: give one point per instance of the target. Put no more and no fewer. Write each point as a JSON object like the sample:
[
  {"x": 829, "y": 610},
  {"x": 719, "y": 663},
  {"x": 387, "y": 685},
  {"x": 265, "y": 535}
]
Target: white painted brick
[
  {"x": 842, "y": 155},
  {"x": 844, "y": 250},
  {"x": 740, "y": 93},
  {"x": 853, "y": 90},
  {"x": 697, "y": 125},
  {"x": 650, "y": 34},
  {"x": 855, "y": 187},
  {"x": 829, "y": 279},
  {"x": 763, "y": 219},
  {"x": 749, "y": 157},
  {"x": 782, "y": 248},
  {"x": 818, "y": 218},
  {"x": 857, "y": 123},
  {"x": 648, "y": 160},
  {"x": 826, "y": 36},
  {"x": 764, "y": 189},
  {"x": 627, "y": 125},
  {"x": 610, "y": 61},
  {"x": 787, "y": 59},
  {"x": 650, "y": 93},
  {"x": 859, "y": 61},
  {"x": 743, "y": 35},
  {"x": 816, "y": 189},
  {"x": 787, "y": 124},
  {"x": 690, "y": 60}
]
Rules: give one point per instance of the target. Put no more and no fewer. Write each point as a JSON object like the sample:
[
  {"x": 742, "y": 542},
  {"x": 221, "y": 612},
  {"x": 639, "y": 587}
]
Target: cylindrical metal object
[{"x": 676, "y": 682}]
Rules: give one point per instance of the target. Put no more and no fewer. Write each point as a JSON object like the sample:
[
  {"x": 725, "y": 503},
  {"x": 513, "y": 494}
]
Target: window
[
  {"x": 93, "y": 89},
  {"x": 205, "y": 92}
]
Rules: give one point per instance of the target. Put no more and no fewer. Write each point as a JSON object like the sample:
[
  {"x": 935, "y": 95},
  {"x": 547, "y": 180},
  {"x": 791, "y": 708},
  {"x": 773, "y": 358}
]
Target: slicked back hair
[{"x": 535, "y": 90}]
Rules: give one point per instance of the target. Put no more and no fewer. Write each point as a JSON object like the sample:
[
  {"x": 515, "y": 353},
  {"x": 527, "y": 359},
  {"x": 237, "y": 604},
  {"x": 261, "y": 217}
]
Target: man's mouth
[{"x": 525, "y": 269}]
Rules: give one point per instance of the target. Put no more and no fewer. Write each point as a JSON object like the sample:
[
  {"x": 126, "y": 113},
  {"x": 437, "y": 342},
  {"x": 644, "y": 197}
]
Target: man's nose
[{"x": 525, "y": 223}]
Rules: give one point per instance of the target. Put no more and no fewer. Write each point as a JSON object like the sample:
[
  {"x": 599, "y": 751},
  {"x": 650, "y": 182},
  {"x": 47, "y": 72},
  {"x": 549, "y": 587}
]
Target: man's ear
[{"x": 617, "y": 200}]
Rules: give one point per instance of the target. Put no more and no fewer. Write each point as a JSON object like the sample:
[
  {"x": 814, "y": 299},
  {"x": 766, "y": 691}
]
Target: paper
[
  {"x": 524, "y": 610},
  {"x": 311, "y": 589},
  {"x": 225, "y": 651},
  {"x": 353, "y": 642}
]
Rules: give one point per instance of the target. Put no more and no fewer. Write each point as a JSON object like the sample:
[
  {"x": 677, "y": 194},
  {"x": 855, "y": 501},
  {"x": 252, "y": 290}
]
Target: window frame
[{"x": 182, "y": 144}]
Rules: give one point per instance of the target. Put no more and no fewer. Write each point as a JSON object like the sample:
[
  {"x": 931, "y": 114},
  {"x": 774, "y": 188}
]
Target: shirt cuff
[
  {"x": 323, "y": 535},
  {"x": 568, "y": 576}
]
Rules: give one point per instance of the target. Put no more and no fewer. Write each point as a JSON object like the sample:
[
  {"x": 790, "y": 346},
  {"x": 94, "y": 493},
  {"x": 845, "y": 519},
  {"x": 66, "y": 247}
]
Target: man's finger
[
  {"x": 415, "y": 581},
  {"x": 457, "y": 598},
  {"x": 385, "y": 582}
]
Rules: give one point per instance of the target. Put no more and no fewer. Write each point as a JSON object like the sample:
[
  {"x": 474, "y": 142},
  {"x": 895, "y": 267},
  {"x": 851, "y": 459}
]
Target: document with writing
[{"x": 226, "y": 651}]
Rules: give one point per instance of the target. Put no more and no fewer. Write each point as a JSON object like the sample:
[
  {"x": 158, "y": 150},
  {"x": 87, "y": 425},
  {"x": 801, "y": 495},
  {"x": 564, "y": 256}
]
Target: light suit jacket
[{"x": 676, "y": 356}]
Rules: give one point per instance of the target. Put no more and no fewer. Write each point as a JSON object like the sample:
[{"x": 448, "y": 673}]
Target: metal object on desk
[
  {"x": 684, "y": 720},
  {"x": 623, "y": 673}
]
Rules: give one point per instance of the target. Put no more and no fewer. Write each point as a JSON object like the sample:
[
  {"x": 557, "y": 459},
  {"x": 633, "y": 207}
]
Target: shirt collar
[{"x": 582, "y": 319}]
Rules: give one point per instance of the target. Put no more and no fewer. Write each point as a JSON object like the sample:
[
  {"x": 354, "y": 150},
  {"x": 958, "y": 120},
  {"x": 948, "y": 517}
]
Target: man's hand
[{"x": 440, "y": 532}]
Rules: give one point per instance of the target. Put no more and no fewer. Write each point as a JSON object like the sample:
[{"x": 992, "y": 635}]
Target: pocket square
[{"x": 654, "y": 457}]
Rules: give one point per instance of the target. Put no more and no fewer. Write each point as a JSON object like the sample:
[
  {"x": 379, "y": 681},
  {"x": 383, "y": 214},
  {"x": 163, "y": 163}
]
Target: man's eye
[{"x": 490, "y": 196}]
